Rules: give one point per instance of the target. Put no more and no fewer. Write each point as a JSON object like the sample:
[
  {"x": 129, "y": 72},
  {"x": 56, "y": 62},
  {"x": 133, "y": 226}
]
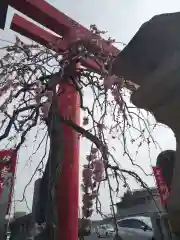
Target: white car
[
  {"x": 105, "y": 230},
  {"x": 135, "y": 228}
]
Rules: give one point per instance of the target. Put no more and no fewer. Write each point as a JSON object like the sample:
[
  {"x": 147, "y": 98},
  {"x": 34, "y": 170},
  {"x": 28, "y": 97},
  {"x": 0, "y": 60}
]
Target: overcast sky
[{"x": 121, "y": 18}]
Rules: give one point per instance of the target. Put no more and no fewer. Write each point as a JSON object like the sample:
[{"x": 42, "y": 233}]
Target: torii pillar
[{"x": 152, "y": 60}]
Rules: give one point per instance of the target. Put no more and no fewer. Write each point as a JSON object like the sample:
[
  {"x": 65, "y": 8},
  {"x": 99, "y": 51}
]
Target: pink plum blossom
[
  {"x": 91, "y": 157},
  {"x": 109, "y": 81},
  {"x": 98, "y": 170},
  {"x": 94, "y": 150},
  {"x": 38, "y": 83},
  {"x": 87, "y": 201},
  {"x": 87, "y": 177},
  {"x": 98, "y": 165},
  {"x": 49, "y": 95},
  {"x": 100, "y": 126},
  {"x": 85, "y": 121},
  {"x": 38, "y": 99},
  {"x": 38, "y": 90},
  {"x": 98, "y": 176},
  {"x": 45, "y": 109}
]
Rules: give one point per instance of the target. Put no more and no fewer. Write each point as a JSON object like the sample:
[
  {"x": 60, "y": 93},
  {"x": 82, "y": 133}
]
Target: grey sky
[{"x": 121, "y": 18}]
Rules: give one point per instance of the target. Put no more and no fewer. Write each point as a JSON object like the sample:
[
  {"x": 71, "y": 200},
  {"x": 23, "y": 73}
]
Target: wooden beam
[
  {"x": 47, "y": 15},
  {"x": 41, "y": 36}
]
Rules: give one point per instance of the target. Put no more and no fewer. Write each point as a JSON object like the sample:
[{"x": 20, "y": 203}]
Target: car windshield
[
  {"x": 108, "y": 226},
  {"x": 147, "y": 221}
]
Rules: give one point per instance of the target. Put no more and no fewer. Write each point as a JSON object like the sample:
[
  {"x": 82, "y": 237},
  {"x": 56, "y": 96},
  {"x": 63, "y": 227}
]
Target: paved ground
[{"x": 93, "y": 236}]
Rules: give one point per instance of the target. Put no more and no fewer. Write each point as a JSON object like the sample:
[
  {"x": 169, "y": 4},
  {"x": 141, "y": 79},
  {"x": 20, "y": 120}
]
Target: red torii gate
[{"x": 45, "y": 14}]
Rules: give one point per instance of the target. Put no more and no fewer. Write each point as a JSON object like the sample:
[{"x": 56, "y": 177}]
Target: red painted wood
[
  {"x": 68, "y": 189},
  {"x": 47, "y": 15},
  {"x": 39, "y": 35},
  {"x": 43, "y": 37},
  {"x": 43, "y": 13}
]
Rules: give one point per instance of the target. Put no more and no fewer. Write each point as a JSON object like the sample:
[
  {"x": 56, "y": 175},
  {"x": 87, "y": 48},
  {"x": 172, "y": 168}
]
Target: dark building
[
  {"x": 3, "y": 208},
  {"x": 140, "y": 202},
  {"x": 20, "y": 228}
]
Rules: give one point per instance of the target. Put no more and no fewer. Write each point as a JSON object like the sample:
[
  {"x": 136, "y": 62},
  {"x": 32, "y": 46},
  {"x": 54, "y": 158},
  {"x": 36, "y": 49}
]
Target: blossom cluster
[
  {"x": 8, "y": 86},
  {"x": 92, "y": 174},
  {"x": 41, "y": 92},
  {"x": 114, "y": 83}
]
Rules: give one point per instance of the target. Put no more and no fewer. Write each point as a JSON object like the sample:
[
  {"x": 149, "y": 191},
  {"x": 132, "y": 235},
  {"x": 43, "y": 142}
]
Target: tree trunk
[{"x": 47, "y": 201}]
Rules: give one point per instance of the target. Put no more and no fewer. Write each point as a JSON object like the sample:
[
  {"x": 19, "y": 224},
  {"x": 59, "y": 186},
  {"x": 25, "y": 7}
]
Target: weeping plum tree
[{"x": 30, "y": 82}]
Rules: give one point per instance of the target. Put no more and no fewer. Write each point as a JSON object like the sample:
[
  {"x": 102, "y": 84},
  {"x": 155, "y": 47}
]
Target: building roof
[
  {"x": 145, "y": 192},
  {"x": 138, "y": 197},
  {"x": 22, "y": 220}
]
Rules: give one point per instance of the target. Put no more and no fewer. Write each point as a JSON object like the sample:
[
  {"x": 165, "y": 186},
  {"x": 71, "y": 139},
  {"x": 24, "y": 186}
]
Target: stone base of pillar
[{"x": 174, "y": 218}]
